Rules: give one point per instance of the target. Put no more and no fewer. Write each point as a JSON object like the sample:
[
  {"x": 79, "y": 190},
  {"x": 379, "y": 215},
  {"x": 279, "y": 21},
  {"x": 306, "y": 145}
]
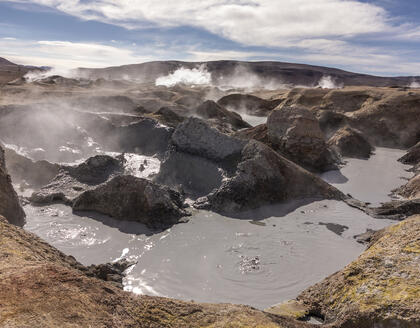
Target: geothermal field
[{"x": 151, "y": 195}]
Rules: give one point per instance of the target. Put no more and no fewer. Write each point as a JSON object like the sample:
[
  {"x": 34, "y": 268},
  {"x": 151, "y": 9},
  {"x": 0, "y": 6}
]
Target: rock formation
[
  {"x": 71, "y": 181},
  {"x": 295, "y": 132},
  {"x": 349, "y": 142},
  {"x": 196, "y": 137},
  {"x": 249, "y": 104},
  {"x": 129, "y": 198},
  {"x": 264, "y": 177},
  {"x": 213, "y": 111},
  {"x": 9, "y": 202},
  {"x": 379, "y": 289}
]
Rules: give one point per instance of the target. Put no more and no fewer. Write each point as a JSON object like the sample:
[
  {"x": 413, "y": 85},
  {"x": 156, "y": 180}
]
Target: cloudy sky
[{"x": 371, "y": 36}]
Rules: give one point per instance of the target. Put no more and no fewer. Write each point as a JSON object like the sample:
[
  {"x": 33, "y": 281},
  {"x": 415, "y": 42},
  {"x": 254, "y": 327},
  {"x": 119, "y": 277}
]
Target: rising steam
[
  {"x": 195, "y": 76},
  {"x": 328, "y": 82}
]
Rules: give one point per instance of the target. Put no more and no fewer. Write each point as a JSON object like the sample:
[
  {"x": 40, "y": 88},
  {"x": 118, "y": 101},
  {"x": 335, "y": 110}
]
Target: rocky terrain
[{"x": 136, "y": 151}]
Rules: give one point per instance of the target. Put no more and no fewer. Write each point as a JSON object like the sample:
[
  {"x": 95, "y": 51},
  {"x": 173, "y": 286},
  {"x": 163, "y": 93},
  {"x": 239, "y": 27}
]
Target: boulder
[
  {"x": 71, "y": 181},
  {"x": 252, "y": 105},
  {"x": 264, "y": 177},
  {"x": 396, "y": 210},
  {"x": 24, "y": 170},
  {"x": 126, "y": 197},
  {"x": 379, "y": 289},
  {"x": 413, "y": 155},
  {"x": 194, "y": 175},
  {"x": 196, "y": 137},
  {"x": 411, "y": 190},
  {"x": 167, "y": 116},
  {"x": 147, "y": 137},
  {"x": 294, "y": 132},
  {"x": 349, "y": 142},
  {"x": 9, "y": 202},
  {"x": 213, "y": 111}
]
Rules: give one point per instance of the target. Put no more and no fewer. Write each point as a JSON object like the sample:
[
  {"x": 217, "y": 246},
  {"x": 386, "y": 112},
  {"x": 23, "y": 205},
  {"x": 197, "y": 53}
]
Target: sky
[{"x": 380, "y": 37}]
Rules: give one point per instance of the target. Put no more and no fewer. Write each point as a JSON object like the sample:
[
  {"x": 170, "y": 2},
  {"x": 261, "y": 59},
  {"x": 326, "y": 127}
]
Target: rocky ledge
[{"x": 379, "y": 289}]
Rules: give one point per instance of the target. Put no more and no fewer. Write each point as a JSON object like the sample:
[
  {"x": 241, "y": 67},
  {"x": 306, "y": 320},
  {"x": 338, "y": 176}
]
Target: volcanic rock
[
  {"x": 129, "y": 198},
  {"x": 295, "y": 132},
  {"x": 196, "y": 137},
  {"x": 9, "y": 202},
  {"x": 71, "y": 181},
  {"x": 349, "y": 142},
  {"x": 211, "y": 110},
  {"x": 249, "y": 104},
  {"x": 194, "y": 175},
  {"x": 34, "y": 173},
  {"x": 167, "y": 116},
  {"x": 264, "y": 177},
  {"x": 413, "y": 155},
  {"x": 379, "y": 289}
]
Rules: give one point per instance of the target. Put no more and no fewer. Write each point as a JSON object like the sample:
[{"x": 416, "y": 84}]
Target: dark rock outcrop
[
  {"x": 349, "y": 142},
  {"x": 379, "y": 289},
  {"x": 9, "y": 202},
  {"x": 413, "y": 155},
  {"x": 264, "y": 177},
  {"x": 71, "y": 181},
  {"x": 194, "y": 175},
  {"x": 168, "y": 116},
  {"x": 25, "y": 170},
  {"x": 147, "y": 137},
  {"x": 249, "y": 104},
  {"x": 397, "y": 209},
  {"x": 295, "y": 132},
  {"x": 387, "y": 117},
  {"x": 196, "y": 137},
  {"x": 210, "y": 110},
  {"x": 112, "y": 272},
  {"x": 129, "y": 198}
]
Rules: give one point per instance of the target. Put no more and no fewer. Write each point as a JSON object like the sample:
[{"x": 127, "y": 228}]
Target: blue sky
[{"x": 379, "y": 37}]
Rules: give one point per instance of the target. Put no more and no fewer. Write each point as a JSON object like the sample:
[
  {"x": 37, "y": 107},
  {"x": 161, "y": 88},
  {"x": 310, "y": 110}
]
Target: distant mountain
[
  {"x": 5, "y": 62},
  {"x": 277, "y": 72},
  {"x": 10, "y": 71}
]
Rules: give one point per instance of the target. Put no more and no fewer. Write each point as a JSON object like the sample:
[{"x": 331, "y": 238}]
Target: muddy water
[
  {"x": 217, "y": 259},
  {"x": 253, "y": 120},
  {"x": 371, "y": 180}
]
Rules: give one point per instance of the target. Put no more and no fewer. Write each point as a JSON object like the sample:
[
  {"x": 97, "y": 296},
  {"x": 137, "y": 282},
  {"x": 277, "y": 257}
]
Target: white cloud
[
  {"x": 250, "y": 22},
  {"x": 65, "y": 54}
]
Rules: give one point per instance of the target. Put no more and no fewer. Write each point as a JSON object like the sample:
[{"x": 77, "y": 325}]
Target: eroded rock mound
[
  {"x": 24, "y": 170},
  {"x": 71, "y": 181},
  {"x": 9, "y": 202},
  {"x": 264, "y": 177},
  {"x": 413, "y": 155},
  {"x": 379, "y": 289},
  {"x": 249, "y": 104},
  {"x": 294, "y": 131},
  {"x": 212, "y": 111},
  {"x": 196, "y": 137},
  {"x": 194, "y": 175},
  {"x": 129, "y": 198},
  {"x": 349, "y": 142}
]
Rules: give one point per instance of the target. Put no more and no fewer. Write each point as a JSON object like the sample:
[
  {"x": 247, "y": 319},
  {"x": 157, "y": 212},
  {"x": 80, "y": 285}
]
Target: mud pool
[{"x": 269, "y": 257}]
